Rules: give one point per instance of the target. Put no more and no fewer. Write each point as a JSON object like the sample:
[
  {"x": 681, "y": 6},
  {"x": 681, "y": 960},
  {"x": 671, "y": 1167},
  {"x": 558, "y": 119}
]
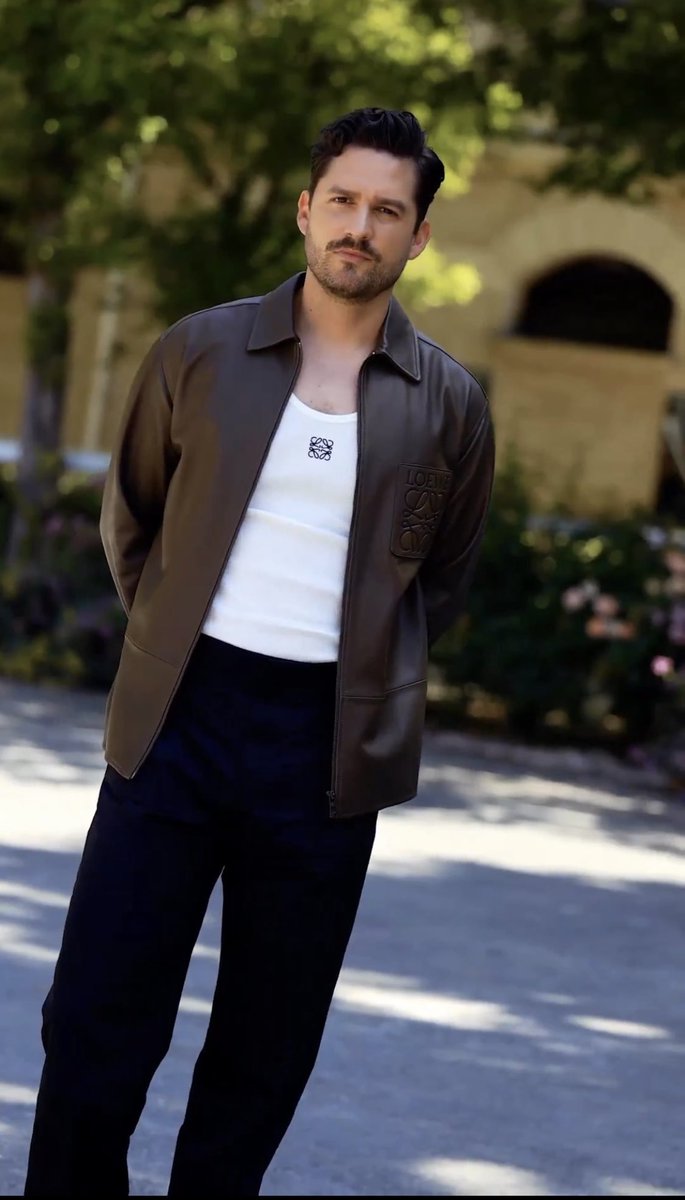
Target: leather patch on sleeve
[{"x": 420, "y": 498}]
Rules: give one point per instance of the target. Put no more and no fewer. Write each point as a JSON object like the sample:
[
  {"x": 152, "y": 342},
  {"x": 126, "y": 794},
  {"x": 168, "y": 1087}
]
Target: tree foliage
[
  {"x": 601, "y": 78},
  {"x": 84, "y": 88},
  {"x": 236, "y": 89},
  {"x": 285, "y": 69}
]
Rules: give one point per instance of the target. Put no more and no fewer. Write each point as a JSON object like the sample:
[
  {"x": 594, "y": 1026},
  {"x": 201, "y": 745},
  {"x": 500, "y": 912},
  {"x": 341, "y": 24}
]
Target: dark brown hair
[{"x": 396, "y": 132}]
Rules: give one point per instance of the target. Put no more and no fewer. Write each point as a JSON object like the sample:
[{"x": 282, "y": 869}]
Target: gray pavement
[{"x": 510, "y": 1019}]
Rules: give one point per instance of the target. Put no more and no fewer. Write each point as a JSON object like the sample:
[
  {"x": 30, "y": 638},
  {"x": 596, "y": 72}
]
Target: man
[{"x": 292, "y": 516}]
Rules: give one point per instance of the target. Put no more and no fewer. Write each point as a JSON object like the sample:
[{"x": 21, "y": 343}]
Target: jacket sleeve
[
  {"x": 140, "y": 468},
  {"x": 448, "y": 570}
]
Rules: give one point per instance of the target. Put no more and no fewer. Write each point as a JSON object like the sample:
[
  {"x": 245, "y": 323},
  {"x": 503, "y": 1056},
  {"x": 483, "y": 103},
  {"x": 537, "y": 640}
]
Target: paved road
[{"x": 510, "y": 1019}]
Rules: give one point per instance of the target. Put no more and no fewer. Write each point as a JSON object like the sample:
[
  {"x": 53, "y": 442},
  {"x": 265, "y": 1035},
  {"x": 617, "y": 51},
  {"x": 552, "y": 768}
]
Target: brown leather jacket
[{"x": 198, "y": 422}]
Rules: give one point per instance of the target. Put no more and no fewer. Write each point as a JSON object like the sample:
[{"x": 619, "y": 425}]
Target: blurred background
[{"x": 151, "y": 155}]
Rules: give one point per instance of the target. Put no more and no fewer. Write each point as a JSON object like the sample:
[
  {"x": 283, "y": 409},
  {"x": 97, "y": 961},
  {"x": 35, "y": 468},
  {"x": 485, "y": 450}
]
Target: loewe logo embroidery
[
  {"x": 421, "y": 494},
  {"x": 320, "y": 447}
]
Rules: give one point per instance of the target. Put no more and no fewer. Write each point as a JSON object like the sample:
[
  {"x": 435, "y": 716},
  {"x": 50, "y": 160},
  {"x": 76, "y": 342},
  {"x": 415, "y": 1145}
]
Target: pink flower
[
  {"x": 605, "y": 605},
  {"x": 661, "y": 665},
  {"x": 675, "y": 561},
  {"x": 573, "y": 599},
  {"x": 622, "y": 629},
  {"x": 608, "y": 627},
  {"x": 595, "y": 627}
]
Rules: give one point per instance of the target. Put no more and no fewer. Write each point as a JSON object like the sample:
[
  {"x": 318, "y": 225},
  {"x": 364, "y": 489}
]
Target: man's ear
[
  {"x": 303, "y": 211},
  {"x": 420, "y": 240}
]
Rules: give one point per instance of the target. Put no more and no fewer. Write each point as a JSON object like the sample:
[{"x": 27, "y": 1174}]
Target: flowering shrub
[
  {"x": 574, "y": 630},
  {"x": 661, "y": 606}
]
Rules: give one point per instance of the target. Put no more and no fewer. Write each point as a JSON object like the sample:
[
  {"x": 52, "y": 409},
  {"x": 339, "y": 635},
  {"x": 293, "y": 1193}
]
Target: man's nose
[{"x": 359, "y": 221}]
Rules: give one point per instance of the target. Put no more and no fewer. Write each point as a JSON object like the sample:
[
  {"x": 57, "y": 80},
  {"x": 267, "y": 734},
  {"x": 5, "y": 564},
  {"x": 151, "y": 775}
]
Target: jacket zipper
[
  {"x": 228, "y": 551},
  {"x": 332, "y": 792}
]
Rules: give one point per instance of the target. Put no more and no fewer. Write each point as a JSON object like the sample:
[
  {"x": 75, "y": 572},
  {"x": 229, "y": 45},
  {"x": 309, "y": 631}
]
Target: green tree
[
  {"x": 85, "y": 89},
  {"x": 602, "y": 81},
  {"x": 287, "y": 68},
  {"x": 239, "y": 90}
]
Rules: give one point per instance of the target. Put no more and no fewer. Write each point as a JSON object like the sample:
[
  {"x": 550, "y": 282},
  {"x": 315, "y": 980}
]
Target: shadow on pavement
[{"x": 487, "y": 1020}]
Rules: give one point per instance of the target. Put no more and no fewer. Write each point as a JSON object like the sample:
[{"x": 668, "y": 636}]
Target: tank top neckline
[{"x": 322, "y": 416}]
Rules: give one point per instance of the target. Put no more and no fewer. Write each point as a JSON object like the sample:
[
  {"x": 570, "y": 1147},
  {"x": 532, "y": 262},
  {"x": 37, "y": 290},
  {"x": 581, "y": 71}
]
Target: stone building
[{"x": 578, "y": 332}]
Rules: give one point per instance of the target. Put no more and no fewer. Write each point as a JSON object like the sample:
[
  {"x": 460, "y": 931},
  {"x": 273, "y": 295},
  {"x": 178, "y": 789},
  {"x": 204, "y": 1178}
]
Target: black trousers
[{"x": 234, "y": 787}]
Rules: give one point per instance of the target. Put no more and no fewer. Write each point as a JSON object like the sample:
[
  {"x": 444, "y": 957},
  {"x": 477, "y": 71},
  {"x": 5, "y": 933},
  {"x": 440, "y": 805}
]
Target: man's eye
[
  {"x": 390, "y": 211},
  {"x": 343, "y": 198}
]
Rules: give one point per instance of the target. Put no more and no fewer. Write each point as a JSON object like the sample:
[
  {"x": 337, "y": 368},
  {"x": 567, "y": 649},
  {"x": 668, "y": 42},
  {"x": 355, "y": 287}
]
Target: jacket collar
[{"x": 274, "y": 324}]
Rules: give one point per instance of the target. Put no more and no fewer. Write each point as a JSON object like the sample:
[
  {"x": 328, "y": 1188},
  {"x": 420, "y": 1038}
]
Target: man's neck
[{"x": 342, "y": 325}]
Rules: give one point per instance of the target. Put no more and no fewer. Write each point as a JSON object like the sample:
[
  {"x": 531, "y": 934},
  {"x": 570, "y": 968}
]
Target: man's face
[{"x": 358, "y": 225}]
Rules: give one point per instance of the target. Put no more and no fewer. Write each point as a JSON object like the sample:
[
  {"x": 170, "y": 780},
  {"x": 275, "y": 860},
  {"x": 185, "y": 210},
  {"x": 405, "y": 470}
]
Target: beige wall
[
  {"x": 586, "y": 415},
  {"x": 584, "y": 420},
  {"x": 162, "y": 188},
  {"x": 134, "y": 334},
  {"x": 512, "y": 235}
]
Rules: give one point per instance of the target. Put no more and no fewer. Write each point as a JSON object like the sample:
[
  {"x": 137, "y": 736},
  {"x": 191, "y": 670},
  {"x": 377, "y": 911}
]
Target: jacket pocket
[
  {"x": 420, "y": 499},
  {"x": 380, "y": 743},
  {"x": 138, "y": 702}
]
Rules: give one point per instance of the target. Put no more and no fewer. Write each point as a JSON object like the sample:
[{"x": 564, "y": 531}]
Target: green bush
[
  {"x": 60, "y": 616},
  {"x": 573, "y": 630}
]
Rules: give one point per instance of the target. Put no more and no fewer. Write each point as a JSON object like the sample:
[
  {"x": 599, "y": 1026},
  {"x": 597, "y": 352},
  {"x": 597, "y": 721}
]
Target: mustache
[{"x": 347, "y": 244}]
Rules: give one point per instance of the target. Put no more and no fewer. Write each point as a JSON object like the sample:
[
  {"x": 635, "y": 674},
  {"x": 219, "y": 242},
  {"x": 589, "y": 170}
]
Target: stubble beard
[{"x": 355, "y": 283}]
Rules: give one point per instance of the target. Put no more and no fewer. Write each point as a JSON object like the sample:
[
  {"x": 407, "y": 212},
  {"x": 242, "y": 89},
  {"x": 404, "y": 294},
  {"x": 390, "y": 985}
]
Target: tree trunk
[
  {"x": 113, "y": 296},
  {"x": 40, "y": 462}
]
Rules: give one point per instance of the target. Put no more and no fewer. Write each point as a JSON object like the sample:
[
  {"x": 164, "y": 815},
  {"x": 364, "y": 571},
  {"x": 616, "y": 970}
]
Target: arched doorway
[
  {"x": 582, "y": 385},
  {"x": 598, "y": 301}
]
